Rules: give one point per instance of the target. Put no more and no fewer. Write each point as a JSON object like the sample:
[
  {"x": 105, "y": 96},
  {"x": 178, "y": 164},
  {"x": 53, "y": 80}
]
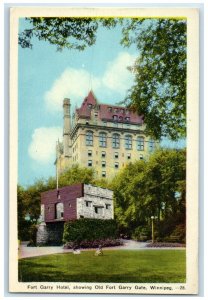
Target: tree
[
  {"x": 155, "y": 187},
  {"x": 159, "y": 91},
  {"x": 71, "y": 33}
]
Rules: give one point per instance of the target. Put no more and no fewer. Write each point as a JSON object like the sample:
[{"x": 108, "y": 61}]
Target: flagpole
[{"x": 57, "y": 165}]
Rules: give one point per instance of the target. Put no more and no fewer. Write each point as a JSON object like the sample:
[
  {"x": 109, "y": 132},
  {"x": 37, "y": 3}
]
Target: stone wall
[
  {"x": 50, "y": 233},
  {"x": 97, "y": 203}
]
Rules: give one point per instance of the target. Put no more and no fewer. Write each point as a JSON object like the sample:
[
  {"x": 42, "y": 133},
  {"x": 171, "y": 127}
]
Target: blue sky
[{"x": 46, "y": 76}]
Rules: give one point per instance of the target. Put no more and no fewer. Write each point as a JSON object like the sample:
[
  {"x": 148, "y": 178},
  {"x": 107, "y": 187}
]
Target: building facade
[
  {"x": 71, "y": 203},
  {"x": 103, "y": 137},
  {"x": 76, "y": 201}
]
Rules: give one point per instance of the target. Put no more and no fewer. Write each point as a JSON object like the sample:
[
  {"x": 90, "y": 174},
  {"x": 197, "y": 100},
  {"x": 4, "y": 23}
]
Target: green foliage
[
  {"x": 149, "y": 188},
  {"x": 89, "y": 230},
  {"x": 159, "y": 91},
  {"x": 32, "y": 235},
  {"x": 71, "y": 33},
  {"x": 76, "y": 174},
  {"x": 142, "y": 233}
]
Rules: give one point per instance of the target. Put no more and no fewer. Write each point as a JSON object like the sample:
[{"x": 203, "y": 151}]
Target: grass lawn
[{"x": 113, "y": 266}]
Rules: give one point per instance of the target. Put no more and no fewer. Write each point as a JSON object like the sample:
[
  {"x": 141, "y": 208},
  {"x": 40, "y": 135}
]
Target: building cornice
[{"x": 104, "y": 128}]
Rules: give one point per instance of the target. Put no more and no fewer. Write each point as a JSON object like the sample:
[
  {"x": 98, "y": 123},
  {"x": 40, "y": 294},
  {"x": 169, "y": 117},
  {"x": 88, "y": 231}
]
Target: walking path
[{"x": 25, "y": 251}]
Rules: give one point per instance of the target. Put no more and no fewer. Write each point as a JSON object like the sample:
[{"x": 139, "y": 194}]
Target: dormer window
[
  {"x": 89, "y": 105},
  {"x": 110, "y": 109},
  {"x": 115, "y": 110}
]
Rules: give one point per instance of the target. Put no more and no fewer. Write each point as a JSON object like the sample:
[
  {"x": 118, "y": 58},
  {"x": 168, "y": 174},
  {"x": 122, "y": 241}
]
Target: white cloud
[
  {"x": 117, "y": 77},
  {"x": 42, "y": 146},
  {"x": 75, "y": 83}
]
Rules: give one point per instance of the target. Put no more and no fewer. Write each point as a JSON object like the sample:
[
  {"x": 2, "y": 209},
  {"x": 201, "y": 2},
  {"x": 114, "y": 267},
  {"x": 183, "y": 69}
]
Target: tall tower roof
[{"x": 108, "y": 112}]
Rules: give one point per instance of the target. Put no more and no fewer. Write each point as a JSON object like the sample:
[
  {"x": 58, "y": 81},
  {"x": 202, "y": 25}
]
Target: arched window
[
  {"x": 102, "y": 139},
  {"x": 140, "y": 143},
  {"x": 59, "y": 211},
  {"x": 89, "y": 138},
  {"x": 115, "y": 140},
  {"x": 128, "y": 142}
]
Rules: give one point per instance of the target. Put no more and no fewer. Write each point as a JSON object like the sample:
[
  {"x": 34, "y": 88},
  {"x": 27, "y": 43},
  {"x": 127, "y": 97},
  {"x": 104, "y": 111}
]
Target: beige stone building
[{"x": 103, "y": 137}]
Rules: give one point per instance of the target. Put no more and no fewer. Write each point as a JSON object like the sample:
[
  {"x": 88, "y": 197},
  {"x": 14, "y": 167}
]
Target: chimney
[{"x": 67, "y": 127}]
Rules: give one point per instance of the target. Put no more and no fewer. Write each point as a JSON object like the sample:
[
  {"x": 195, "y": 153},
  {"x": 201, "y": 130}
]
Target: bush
[
  {"x": 32, "y": 235},
  {"x": 142, "y": 233},
  {"x": 94, "y": 244},
  {"x": 165, "y": 245},
  {"x": 89, "y": 230},
  {"x": 177, "y": 235}
]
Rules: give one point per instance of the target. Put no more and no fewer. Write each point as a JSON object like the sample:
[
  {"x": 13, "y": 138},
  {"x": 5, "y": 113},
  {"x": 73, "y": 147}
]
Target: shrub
[
  {"x": 88, "y": 230},
  {"x": 32, "y": 235},
  {"x": 177, "y": 235},
  {"x": 142, "y": 233},
  {"x": 94, "y": 244}
]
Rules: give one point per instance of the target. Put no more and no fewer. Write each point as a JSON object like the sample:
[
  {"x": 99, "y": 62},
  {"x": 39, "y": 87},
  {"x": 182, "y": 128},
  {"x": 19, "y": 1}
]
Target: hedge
[{"x": 89, "y": 230}]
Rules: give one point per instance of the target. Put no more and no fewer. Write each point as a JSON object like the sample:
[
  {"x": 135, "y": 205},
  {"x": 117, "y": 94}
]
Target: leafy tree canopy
[
  {"x": 159, "y": 91},
  {"x": 71, "y": 33},
  {"x": 151, "y": 188}
]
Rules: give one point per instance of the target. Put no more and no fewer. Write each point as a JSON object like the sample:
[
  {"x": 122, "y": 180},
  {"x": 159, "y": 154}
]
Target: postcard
[{"x": 104, "y": 105}]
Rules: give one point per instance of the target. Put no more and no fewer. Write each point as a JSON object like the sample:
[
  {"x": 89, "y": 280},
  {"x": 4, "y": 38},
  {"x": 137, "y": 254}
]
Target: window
[
  {"x": 102, "y": 139},
  {"x": 110, "y": 109},
  {"x": 116, "y": 140},
  {"x": 129, "y": 156},
  {"x": 140, "y": 143},
  {"x": 116, "y": 165},
  {"x": 104, "y": 123},
  {"x": 115, "y": 117},
  {"x": 98, "y": 209},
  {"x": 89, "y": 152},
  {"x": 103, "y": 164},
  {"x": 89, "y": 138},
  {"x": 151, "y": 145},
  {"x": 120, "y": 118},
  {"x": 107, "y": 206},
  {"x": 141, "y": 156},
  {"x": 89, "y": 105},
  {"x": 116, "y": 155},
  {"x": 88, "y": 203},
  {"x": 103, "y": 174},
  {"x": 59, "y": 211},
  {"x": 122, "y": 111},
  {"x": 127, "y": 119},
  {"x": 128, "y": 142},
  {"x": 103, "y": 154},
  {"x": 89, "y": 163}
]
